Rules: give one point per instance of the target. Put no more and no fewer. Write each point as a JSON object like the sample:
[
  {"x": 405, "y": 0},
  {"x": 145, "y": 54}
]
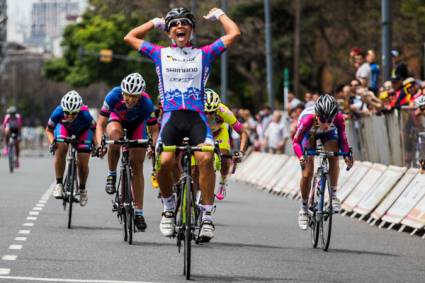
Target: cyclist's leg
[
  {"x": 200, "y": 133},
  {"x": 84, "y": 148},
  {"x": 305, "y": 185},
  {"x": 169, "y": 135},
  {"x": 223, "y": 140},
  {"x": 114, "y": 131},
  {"x": 17, "y": 146},
  {"x": 331, "y": 143},
  {"x": 60, "y": 159}
]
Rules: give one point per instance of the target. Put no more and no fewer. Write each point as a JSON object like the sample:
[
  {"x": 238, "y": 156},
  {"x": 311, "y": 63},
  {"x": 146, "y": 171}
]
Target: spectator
[
  {"x": 276, "y": 135},
  {"x": 308, "y": 98},
  {"x": 363, "y": 71},
  {"x": 403, "y": 92},
  {"x": 315, "y": 96},
  {"x": 292, "y": 101},
  {"x": 374, "y": 68},
  {"x": 400, "y": 69},
  {"x": 386, "y": 93},
  {"x": 294, "y": 115}
]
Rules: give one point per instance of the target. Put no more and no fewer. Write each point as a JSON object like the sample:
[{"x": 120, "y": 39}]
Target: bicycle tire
[
  {"x": 121, "y": 206},
  {"x": 326, "y": 223},
  {"x": 312, "y": 221},
  {"x": 70, "y": 190},
  {"x": 129, "y": 209},
  {"x": 188, "y": 230},
  {"x": 11, "y": 155},
  {"x": 179, "y": 218}
]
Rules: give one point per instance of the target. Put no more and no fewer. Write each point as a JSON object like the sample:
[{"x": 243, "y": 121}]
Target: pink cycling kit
[{"x": 306, "y": 127}]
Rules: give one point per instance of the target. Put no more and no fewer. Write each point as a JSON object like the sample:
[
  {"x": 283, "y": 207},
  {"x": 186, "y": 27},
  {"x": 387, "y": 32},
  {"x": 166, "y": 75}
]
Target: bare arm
[
  {"x": 231, "y": 29},
  {"x": 244, "y": 139},
  {"x": 154, "y": 133},
  {"x": 135, "y": 37},
  {"x": 49, "y": 135},
  {"x": 100, "y": 128}
]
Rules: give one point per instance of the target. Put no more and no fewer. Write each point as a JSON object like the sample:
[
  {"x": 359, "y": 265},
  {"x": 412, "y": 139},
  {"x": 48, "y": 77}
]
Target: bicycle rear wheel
[
  {"x": 11, "y": 155},
  {"x": 326, "y": 223},
  {"x": 312, "y": 219},
  {"x": 187, "y": 227}
]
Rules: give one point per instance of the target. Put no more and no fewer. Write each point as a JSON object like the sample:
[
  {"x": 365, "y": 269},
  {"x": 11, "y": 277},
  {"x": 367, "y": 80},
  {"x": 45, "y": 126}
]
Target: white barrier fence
[{"x": 387, "y": 196}]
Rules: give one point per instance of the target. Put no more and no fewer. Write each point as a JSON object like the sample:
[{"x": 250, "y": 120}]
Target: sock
[
  {"x": 112, "y": 173},
  {"x": 223, "y": 180},
  {"x": 138, "y": 211},
  {"x": 333, "y": 190},
  {"x": 304, "y": 205},
  {"x": 59, "y": 180},
  {"x": 82, "y": 187},
  {"x": 169, "y": 203},
  {"x": 206, "y": 212}
]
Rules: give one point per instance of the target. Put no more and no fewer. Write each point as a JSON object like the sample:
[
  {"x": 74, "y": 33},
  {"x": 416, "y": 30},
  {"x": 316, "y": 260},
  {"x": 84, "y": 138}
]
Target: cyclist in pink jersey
[
  {"x": 183, "y": 71},
  {"x": 322, "y": 121},
  {"x": 12, "y": 123}
]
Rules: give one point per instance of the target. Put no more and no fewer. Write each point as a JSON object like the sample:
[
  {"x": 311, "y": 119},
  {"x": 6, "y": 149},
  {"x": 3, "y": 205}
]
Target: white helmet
[
  {"x": 420, "y": 101},
  {"x": 212, "y": 100},
  {"x": 71, "y": 102},
  {"x": 133, "y": 84}
]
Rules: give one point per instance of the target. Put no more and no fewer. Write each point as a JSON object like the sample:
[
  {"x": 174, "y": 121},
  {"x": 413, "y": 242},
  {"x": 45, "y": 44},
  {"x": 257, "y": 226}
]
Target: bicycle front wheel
[
  {"x": 312, "y": 219},
  {"x": 188, "y": 227},
  {"x": 326, "y": 223},
  {"x": 129, "y": 210},
  {"x": 70, "y": 190}
]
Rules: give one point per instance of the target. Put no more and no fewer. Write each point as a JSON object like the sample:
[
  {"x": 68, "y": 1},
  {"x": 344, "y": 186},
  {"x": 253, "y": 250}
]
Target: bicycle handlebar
[
  {"x": 72, "y": 140},
  {"x": 179, "y": 148},
  {"x": 129, "y": 143},
  {"x": 314, "y": 152}
]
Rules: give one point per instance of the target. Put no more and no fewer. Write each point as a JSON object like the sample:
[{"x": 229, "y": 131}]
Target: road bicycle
[
  {"x": 187, "y": 212},
  {"x": 13, "y": 138},
  {"x": 320, "y": 200},
  {"x": 123, "y": 204}
]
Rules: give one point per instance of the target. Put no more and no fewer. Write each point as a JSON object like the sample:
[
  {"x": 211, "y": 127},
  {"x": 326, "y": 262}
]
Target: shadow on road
[
  {"x": 238, "y": 245},
  {"x": 357, "y": 252},
  {"x": 236, "y": 278},
  {"x": 91, "y": 228}
]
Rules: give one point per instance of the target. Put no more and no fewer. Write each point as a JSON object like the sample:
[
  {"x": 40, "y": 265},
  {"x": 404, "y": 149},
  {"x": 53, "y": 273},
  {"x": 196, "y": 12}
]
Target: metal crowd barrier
[{"x": 385, "y": 196}]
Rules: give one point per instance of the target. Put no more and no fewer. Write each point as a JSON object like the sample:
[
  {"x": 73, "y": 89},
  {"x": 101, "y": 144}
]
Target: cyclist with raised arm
[
  {"x": 219, "y": 119},
  {"x": 12, "y": 123},
  {"x": 322, "y": 121},
  {"x": 128, "y": 107},
  {"x": 183, "y": 71},
  {"x": 69, "y": 118}
]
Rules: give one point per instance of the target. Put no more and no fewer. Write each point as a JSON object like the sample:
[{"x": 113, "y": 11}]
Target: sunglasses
[
  {"x": 177, "y": 22},
  {"x": 129, "y": 94},
  {"x": 325, "y": 120},
  {"x": 422, "y": 108},
  {"x": 69, "y": 113}
]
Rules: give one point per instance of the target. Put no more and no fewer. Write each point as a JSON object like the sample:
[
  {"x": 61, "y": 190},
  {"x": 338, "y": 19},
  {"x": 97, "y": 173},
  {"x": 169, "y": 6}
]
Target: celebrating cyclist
[
  {"x": 12, "y": 123},
  {"x": 127, "y": 107},
  {"x": 219, "y": 119},
  {"x": 183, "y": 71},
  {"x": 69, "y": 118},
  {"x": 322, "y": 121}
]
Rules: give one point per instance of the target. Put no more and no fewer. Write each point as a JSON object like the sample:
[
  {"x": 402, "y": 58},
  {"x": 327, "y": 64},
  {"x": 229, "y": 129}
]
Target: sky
[{"x": 19, "y": 17}]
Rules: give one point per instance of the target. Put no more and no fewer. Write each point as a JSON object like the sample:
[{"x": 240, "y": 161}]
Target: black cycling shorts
[{"x": 177, "y": 125}]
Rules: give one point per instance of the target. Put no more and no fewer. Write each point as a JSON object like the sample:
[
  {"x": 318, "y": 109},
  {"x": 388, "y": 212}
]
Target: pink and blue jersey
[
  {"x": 182, "y": 73},
  {"x": 82, "y": 122},
  {"x": 114, "y": 107},
  {"x": 307, "y": 127},
  {"x": 13, "y": 122}
]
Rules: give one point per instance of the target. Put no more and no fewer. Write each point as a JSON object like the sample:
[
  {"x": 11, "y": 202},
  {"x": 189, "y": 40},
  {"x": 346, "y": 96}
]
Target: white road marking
[
  {"x": 28, "y": 224},
  {"x": 37, "y": 208},
  {"x": 4, "y": 271},
  {"x": 15, "y": 247},
  {"x": 20, "y": 238},
  {"x": 31, "y": 218},
  {"x": 40, "y": 204},
  {"x": 24, "y": 232},
  {"x": 34, "y": 213},
  {"x": 66, "y": 280},
  {"x": 9, "y": 257},
  {"x": 42, "y": 201}
]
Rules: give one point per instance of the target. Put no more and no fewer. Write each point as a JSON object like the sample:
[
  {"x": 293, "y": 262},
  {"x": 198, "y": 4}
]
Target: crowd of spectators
[{"x": 362, "y": 96}]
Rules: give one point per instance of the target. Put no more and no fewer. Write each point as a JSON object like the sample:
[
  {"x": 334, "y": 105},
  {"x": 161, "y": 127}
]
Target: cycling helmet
[
  {"x": 133, "y": 84},
  {"x": 420, "y": 101},
  {"x": 11, "y": 110},
  {"x": 212, "y": 100},
  {"x": 326, "y": 107},
  {"x": 409, "y": 86},
  {"x": 179, "y": 13},
  {"x": 71, "y": 102}
]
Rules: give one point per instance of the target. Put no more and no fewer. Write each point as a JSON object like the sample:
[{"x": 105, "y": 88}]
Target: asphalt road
[{"x": 257, "y": 240}]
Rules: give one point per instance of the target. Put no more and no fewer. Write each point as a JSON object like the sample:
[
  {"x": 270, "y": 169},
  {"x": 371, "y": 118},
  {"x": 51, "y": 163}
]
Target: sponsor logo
[
  {"x": 182, "y": 70},
  {"x": 173, "y": 59},
  {"x": 181, "y": 80},
  {"x": 190, "y": 93}
]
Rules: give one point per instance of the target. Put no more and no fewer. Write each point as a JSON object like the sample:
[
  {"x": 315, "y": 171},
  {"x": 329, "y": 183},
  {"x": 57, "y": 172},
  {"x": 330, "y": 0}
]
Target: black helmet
[
  {"x": 326, "y": 107},
  {"x": 179, "y": 13}
]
